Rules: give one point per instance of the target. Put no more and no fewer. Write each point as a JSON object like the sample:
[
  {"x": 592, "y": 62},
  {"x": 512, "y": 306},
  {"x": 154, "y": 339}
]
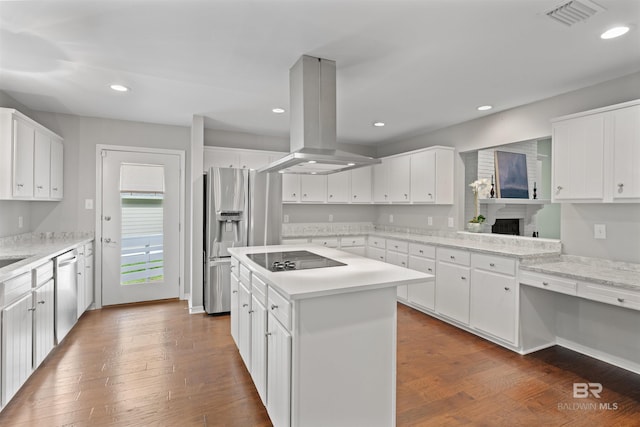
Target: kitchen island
[{"x": 320, "y": 343}]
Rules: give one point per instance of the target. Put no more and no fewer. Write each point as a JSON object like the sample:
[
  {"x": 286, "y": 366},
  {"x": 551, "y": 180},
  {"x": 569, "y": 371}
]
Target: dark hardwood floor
[{"x": 154, "y": 364}]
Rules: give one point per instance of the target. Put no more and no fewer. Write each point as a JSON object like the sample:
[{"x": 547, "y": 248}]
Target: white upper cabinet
[
  {"x": 290, "y": 187},
  {"x": 578, "y": 149},
  {"x": 596, "y": 155},
  {"x": 56, "y": 170},
  {"x": 626, "y": 153},
  {"x": 215, "y": 157},
  {"x": 221, "y": 159},
  {"x": 253, "y": 160},
  {"x": 313, "y": 188},
  {"x": 399, "y": 179},
  {"x": 26, "y": 158},
  {"x": 41, "y": 166},
  {"x": 338, "y": 187},
  {"x": 432, "y": 176},
  {"x": 381, "y": 182},
  {"x": 361, "y": 185}
]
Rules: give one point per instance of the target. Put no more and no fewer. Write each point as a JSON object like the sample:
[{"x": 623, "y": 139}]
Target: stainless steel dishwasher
[{"x": 66, "y": 296}]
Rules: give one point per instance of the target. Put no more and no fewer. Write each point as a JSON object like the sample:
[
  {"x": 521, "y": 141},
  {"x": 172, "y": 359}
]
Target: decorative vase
[{"x": 474, "y": 227}]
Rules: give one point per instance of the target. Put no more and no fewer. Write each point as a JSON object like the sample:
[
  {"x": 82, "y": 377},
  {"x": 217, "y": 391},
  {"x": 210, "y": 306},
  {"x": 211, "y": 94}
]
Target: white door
[{"x": 140, "y": 221}]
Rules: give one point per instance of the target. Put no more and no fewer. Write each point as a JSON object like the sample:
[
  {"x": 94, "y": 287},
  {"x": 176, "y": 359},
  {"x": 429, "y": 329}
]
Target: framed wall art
[{"x": 511, "y": 175}]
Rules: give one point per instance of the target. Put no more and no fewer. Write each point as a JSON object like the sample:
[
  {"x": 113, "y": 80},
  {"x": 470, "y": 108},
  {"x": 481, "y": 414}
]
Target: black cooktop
[{"x": 292, "y": 260}]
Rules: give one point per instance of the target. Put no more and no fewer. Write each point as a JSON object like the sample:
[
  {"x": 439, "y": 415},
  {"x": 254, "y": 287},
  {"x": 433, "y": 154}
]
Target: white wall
[{"x": 531, "y": 122}]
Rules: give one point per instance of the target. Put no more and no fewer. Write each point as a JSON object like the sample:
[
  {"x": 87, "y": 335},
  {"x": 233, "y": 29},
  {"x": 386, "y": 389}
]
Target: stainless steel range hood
[{"x": 312, "y": 92}]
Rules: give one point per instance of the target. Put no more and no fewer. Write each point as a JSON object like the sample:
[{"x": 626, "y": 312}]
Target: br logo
[{"x": 583, "y": 390}]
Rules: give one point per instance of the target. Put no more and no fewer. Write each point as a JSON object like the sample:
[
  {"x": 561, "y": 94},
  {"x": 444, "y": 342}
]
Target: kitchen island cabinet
[{"x": 328, "y": 326}]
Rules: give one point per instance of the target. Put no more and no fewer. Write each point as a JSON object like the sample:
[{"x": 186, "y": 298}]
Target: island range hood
[{"x": 312, "y": 87}]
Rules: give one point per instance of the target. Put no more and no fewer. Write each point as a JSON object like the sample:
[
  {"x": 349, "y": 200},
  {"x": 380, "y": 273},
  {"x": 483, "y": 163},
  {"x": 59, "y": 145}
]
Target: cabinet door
[
  {"x": 221, "y": 159},
  {"x": 400, "y": 260},
  {"x": 244, "y": 325},
  {"x": 278, "y": 373},
  {"x": 313, "y": 188},
  {"x": 361, "y": 185},
  {"x": 493, "y": 304},
  {"x": 233, "y": 310},
  {"x": 56, "y": 170},
  {"x": 400, "y": 179},
  {"x": 23, "y": 159},
  {"x": 626, "y": 153},
  {"x": 17, "y": 346},
  {"x": 452, "y": 291},
  {"x": 41, "y": 166},
  {"x": 423, "y": 177},
  {"x": 253, "y": 160},
  {"x": 44, "y": 338},
  {"x": 80, "y": 283},
  {"x": 578, "y": 166},
  {"x": 338, "y": 187},
  {"x": 422, "y": 294},
  {"x": 88, "y": 281},
  {"x": 259, "y": 347},
  {"x": 290, "y": 187},
  {"x": 380, "y": 182}
]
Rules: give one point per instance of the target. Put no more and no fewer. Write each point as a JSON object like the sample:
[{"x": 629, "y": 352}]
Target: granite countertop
[
  {"x": 359, "y": 273},
  {"x": 593, "y": 270},
  {"x": 35, "y": 249}
]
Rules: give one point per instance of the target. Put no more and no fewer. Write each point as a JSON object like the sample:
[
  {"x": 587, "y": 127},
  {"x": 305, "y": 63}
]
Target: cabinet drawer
[
  {"x": 235, "y": 267},
  {"x": 494, "y": 263},
  {"x": 346, "y": 242},
  {"x": 259, "y": 289},
  {"x": 295, "y": 241},
  {"x": 377, "y": 242},
  {"x": 376, "y": 253},
  {"x": 245, "y": 274},
  {"x": 454, "y": 256},
  {"x": 553, "y": 283},
  {"x": 397, "y": 246},
  {"x": 607, "y": 294},
  {"x": 330, "y": 242},
  {"x": 279, "y": 307},
  {"x": 15, "y": 287},
  {"x": 43, "y": 273},
  {"x": 418, "y": 249}
]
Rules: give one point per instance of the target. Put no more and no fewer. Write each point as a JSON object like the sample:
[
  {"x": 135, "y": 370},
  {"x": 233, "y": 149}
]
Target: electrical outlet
[
  {"x": 429, "y": 220},
  {"x": 286, "y": 218},
  {"x": 330, "y": 218},
  {"x": 20, "y": 222},
  {"x": 391, "y": 218},
  {"x": 88, "y": 203},
  {"x": 599, "y": 231},
  {"x": 450, "y": 221}
]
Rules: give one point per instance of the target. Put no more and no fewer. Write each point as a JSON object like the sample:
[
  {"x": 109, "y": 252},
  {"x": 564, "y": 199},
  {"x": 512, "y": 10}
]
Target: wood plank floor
[{"x": 154, "y": 364}]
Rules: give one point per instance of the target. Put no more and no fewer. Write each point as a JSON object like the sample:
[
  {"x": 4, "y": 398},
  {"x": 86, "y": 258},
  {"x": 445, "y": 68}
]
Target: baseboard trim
[{"x": 600, "y": 355}]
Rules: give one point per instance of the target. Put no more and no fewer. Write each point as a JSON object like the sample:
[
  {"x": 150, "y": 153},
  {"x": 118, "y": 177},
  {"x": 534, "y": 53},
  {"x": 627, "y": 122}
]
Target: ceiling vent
[{"x": 574, "y": 11}]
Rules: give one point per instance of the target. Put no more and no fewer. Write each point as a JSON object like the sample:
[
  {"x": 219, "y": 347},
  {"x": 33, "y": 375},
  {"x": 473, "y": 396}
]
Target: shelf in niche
[{"x": 494, "y": 205}]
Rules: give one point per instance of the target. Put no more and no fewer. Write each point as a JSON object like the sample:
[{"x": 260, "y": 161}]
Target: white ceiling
[{"x": 417, "y": 65}]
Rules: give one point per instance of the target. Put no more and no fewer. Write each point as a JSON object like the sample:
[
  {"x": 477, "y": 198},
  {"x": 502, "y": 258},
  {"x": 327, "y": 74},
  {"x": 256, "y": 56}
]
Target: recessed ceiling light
[
  {"x": 614, "y": 32},
  {"x": 314, "y": 173},
  {"x": 351, "y": 164},
  {"x": 485, "y": 107},
  {"x": 311, "y": 161},
  {"x": 378, "y": 124},
  {"x": 119, "y": 88},
  {"x": 278, "y": 110}
]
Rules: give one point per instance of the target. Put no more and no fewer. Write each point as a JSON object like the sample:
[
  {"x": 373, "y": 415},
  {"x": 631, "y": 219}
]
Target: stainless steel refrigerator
[{"x": 242, "y": 208}]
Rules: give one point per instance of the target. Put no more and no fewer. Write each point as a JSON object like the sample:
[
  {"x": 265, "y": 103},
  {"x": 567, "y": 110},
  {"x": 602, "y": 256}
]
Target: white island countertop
[{"x": 358, "y": 274}]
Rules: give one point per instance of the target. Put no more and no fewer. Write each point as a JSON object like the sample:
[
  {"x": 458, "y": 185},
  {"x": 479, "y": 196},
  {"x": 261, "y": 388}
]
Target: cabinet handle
[
  {"x": 55, "y": 188},
  {"x": 331, "y": 196},
  {"x": 244, "y": 166},
  {"x": 355, "y": 195},
  {"x": 507, "y": 288},
  {"x": 620, "y": 187},
  {"x": 31, "y": 309},
  {"x": 234, "y": 292},
  {"x": 559, "y": 187},
  {"x": 545, "y": 283},
  {"x": 231, "y": 165},
  {"x": 395, "y": 246},
  {"x": 403, "y": 263},
  {"x": 463, "y": 277},
  {"x": 381, "y": 257},
  {"x": 39, "y": 187},
  {"x": 421, "y": 251},
  {"x": 452, "y": 257},
  {"x": 273, "y": 306},
  {"x": 620, "y": 300},
  {"x": 430, "y": 195},
  {"x": 385, "y": 196},
  {"x": 429, "y": 269},
  {"x": 245, "y": 305},
  {"x": 491, "y": 264},
  {"x": 406, "y": 196},
  {"x": 41, "y": 302},
  {"x": 267, "y": 334},
  {"x": 293, "y": 194},
  {"x": 250, "y": 311},
  {"x": 19, "y": 185}
]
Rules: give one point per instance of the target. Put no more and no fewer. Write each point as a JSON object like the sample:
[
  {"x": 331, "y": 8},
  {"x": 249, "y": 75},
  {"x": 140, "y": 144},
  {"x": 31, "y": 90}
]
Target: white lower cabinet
[
  {"x": 452, "y": 284},
  {"x": 422, "y": 258},
  {"x": 244, "y": 324},
  {"x": 17, "y": 346},
  {"x": 493, "y": 304},
  {"x": 43, "y": 325},
  {"x": 397, "y": 254},
  {"x": 278, "y": 372},
  {"x": 259, "y": 347},
  {"x": 354, "y": 244},
  {"x": 235, "y": 286}
]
